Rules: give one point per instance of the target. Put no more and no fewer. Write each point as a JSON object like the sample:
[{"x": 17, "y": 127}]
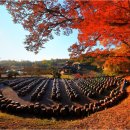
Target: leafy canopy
[{"x": 106, "y": 21}]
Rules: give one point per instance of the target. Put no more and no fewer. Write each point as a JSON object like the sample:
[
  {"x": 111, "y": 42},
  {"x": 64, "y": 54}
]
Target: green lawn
[{"x": 67, "y": 76}]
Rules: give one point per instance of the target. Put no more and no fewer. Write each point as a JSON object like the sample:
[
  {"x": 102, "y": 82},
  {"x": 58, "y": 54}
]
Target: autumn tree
[
  {"x": 107, "y": 21},
  {"x": 118, "y": 61},
  {"x": 42, "y": 19},
  {"x": 104, "y": 21}
]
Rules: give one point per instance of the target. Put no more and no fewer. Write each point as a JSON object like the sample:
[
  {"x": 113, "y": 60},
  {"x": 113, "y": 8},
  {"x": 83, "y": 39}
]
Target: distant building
[
  {"x": 71, "y": 68},
  {"x": 68, "y": 69}
]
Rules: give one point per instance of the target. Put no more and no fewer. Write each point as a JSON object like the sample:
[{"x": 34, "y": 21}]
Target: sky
[{"x": 12, "y": 37}]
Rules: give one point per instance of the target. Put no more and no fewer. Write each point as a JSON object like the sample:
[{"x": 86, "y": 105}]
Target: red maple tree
[
  {"x": 107, "y": 21},
  {"x": 104, "y": 21}
]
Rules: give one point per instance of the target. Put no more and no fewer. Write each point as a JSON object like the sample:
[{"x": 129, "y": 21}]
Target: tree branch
[
  {"x": 118, "y": 23},
  {"x": 122, "y": 7}
]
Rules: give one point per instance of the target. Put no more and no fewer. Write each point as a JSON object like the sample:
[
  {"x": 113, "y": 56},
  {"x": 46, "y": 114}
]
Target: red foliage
[
  {"x": 106, "y": 21},
  {"x": 77, "y": 76}
]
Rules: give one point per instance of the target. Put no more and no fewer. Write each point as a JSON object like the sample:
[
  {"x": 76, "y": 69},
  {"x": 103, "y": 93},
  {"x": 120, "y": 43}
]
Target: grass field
[{"x": 67, "y": 76}]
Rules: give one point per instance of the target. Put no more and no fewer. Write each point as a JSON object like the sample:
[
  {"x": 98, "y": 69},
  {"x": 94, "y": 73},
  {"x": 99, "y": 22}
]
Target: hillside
[{"x": 117, "y": 117}]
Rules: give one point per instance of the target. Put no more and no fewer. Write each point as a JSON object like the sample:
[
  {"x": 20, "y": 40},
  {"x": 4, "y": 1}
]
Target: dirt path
[
  {"x": 28, "y": 96},
  {"x": 65, "y": 98},
  {"x": 47, "y": 96},
  {"x": 10, "y": 93},
  {"x": 83, "y": 99}
]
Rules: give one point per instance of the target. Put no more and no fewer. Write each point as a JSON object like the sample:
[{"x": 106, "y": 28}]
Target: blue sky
[{"x": 12, "y": 37}]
